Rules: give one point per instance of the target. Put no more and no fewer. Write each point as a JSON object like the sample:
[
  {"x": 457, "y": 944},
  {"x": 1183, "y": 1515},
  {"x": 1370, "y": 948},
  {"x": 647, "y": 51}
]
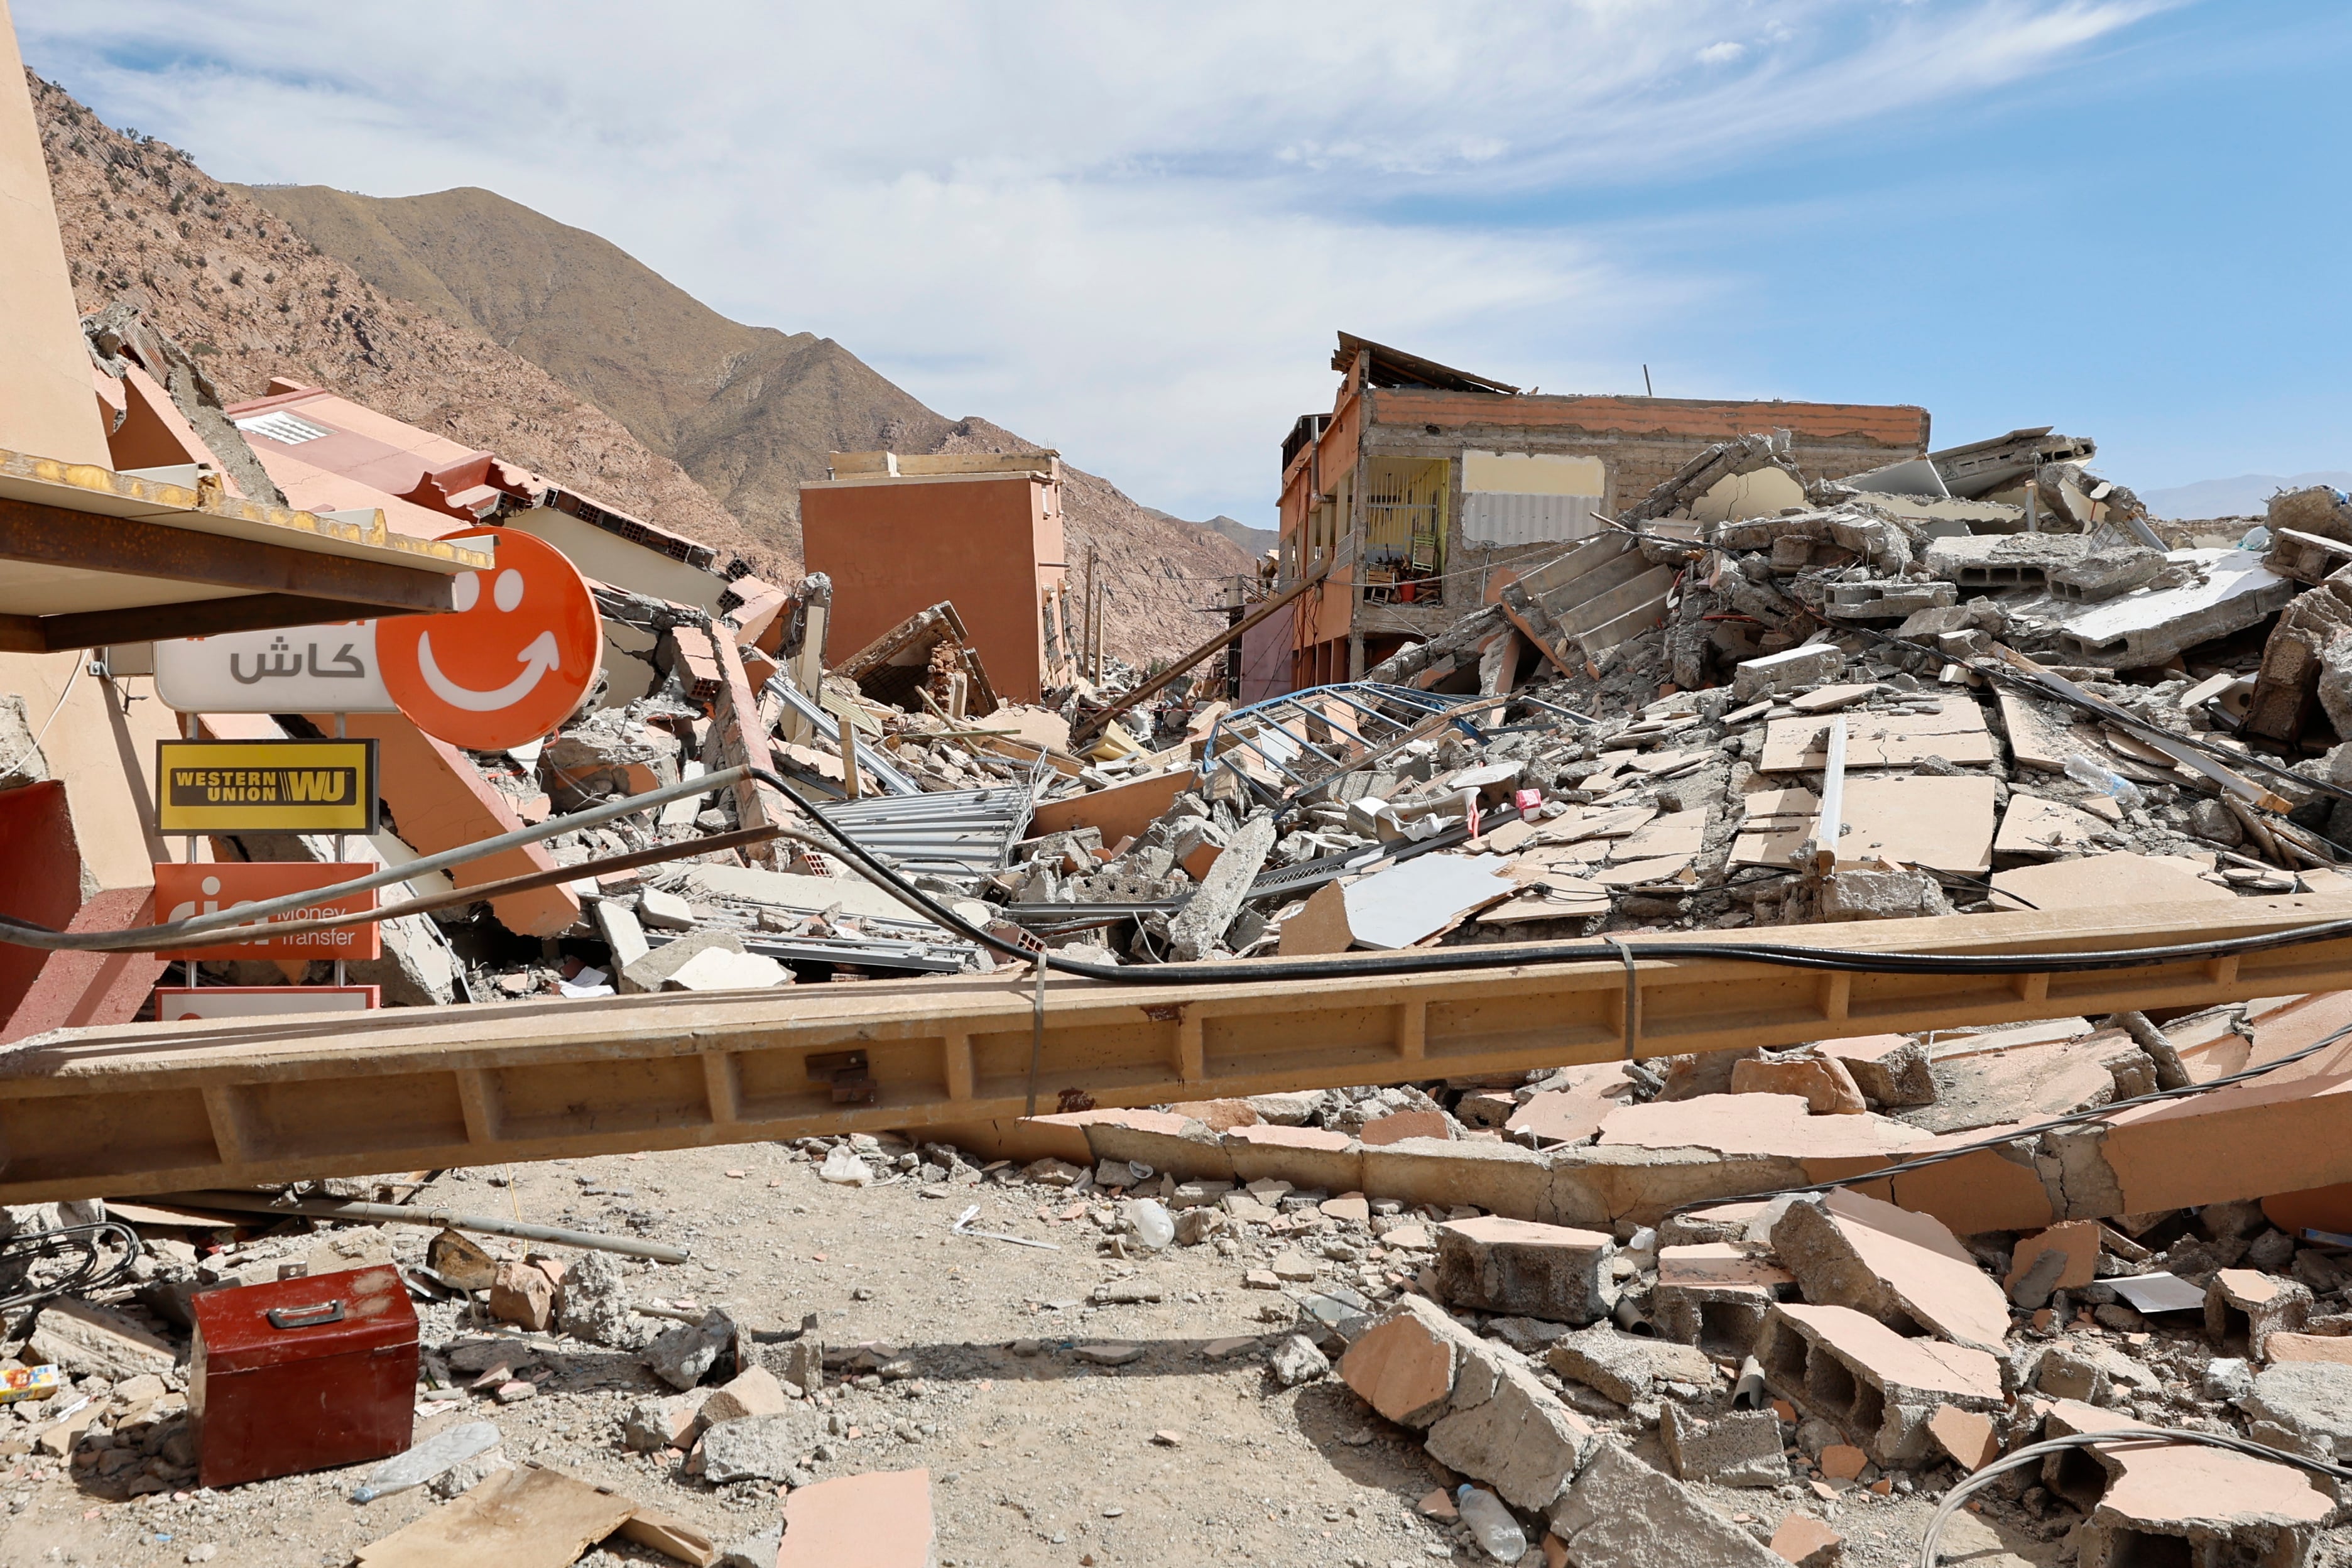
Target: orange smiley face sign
[{"x": 510, "y": 662}]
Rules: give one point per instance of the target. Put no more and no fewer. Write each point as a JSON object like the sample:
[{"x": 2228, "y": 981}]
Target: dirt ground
[{"x": 1188, "y": 1456}]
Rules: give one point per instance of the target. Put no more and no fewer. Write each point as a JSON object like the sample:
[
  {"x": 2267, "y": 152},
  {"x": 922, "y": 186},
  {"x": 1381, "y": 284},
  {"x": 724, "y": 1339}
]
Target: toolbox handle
[{"x": 311, "y": 1317}]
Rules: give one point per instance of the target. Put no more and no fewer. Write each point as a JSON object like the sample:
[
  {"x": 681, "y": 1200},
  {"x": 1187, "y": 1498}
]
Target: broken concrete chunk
[
  {"x": 1857, "y": 893},
  {"x": 1520, "y": 1440},
  {"x": 670, "y": 1422},
  {"x": 665, "y": 910},
  {"x": 1823, "y": 1083},
  {"x": 1404, "y": 1365},
  {"x": 752, "y": 1392},
  {"x": 751, "y": 1447},
  {"x": 1195, "y": 930},
  {"x": 1891, "y": 1070},
  {"x": 1627, "y": 1367},
  {"x": 718, "y": 969},
  {"x": 1620, "y": 1513},
  {"x": 683, "y": 1355},
  {"x": 2244, "y": 1307},
  {"x": 658, "y": 965},
  {"x": 90, "y": 1341},
  {"x": 1515, "y": 1267},
  {"x": 2315, "y": 1397},
  {"x": 1741, "y": 1449},
  {"x": 1296, "y": 1360},
  {"x": 1901, "y": 1269},
  {"x": 1785, "y": 671}
]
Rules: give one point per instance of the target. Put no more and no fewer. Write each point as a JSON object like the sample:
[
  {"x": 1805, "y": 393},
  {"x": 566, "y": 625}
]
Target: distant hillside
[
  {"x": 1256, "y": 540},
  {"x": 252, "y": 299},
  {"x": 2248, "y": 495},
  {"x": 750, "y": 412}
]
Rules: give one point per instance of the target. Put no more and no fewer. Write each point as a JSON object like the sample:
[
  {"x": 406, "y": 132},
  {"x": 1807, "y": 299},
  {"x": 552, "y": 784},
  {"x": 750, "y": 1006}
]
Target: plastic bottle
[
  {"x": 452, "y": 1445},
  {"x": 2084, "y": 771},
  {"x": 1499, "y": 1535},
  {"x": 1153, "y": 1228}
]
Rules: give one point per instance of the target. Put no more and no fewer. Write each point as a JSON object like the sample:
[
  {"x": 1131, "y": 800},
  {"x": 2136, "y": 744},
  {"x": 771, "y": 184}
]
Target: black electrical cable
[{"x": 88, "y": 1275}]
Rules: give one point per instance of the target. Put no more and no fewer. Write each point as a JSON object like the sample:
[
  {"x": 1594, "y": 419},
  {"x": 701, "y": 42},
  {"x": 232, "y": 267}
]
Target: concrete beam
[{"x": 159, "y": 1108}]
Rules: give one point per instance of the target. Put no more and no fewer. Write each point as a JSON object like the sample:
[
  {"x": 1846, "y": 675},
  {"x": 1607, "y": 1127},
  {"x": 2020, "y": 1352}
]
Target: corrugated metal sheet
[{"x": 1493, "y": 519}]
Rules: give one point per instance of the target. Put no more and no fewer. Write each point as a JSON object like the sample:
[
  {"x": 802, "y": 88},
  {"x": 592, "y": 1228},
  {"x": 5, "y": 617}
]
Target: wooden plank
[{"x": 523, "y": 1518}]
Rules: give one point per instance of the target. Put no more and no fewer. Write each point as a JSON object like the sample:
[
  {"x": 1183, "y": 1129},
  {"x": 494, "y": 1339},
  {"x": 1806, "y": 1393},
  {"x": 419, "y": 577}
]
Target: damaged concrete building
[{"x": 1425, "y": 486}]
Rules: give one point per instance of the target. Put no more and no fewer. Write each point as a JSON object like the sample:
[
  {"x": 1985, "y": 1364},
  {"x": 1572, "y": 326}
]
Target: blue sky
[{"x": 1130, "y": 232}]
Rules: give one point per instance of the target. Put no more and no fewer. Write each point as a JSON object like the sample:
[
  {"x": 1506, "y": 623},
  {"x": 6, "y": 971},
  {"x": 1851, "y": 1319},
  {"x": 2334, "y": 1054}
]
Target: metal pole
[{"x": 1821, "y": 851}]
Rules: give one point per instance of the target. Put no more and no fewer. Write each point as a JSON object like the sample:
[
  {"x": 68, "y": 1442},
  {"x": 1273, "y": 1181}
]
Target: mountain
[
  {"x": 2248, "y": 495},
  {"x": 252, "y": 299},
  {"x": 750, "y": 412},
  {"x": 1256, "y": 540}
]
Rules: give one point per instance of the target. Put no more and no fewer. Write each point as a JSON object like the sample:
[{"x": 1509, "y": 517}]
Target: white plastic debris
[{"x": 844, "y": 1169}]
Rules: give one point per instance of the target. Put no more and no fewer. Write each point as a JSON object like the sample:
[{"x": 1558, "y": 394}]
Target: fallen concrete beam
[{"x": 156, "y": 1108}]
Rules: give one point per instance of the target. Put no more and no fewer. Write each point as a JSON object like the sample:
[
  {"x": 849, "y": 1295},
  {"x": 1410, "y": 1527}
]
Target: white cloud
[{"x": 1130, "y": 233}]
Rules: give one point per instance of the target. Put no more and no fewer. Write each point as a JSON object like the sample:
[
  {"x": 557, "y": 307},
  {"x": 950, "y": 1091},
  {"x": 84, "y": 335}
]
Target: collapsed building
[{"x": 1610, "y": 1233}]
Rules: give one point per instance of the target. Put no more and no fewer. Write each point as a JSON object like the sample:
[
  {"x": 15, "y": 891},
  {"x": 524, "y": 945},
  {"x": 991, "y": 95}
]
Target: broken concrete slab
[
  {"x": 90, "y": 1340},
  {"x": 1497, "y": 1264},
  {"x": 1904, "y": 1269},
  {"x": 1195, "y": 930}
]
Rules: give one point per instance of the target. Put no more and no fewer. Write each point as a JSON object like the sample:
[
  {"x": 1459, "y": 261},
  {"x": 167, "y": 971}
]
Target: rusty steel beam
[
  {"x": 138, "y": 1109},
  {"x": 46, "y": 535}
]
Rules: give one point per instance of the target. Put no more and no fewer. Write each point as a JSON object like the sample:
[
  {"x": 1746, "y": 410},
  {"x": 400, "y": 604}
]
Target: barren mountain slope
[
  {"x": 750, "y": 412},
  {"x": 252, "y": 301}
]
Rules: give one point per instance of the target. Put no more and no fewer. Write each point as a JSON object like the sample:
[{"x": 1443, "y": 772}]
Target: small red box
[{"x": 301, "y": 1374}]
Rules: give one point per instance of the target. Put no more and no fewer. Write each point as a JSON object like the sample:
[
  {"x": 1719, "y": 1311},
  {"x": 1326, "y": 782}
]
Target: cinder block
[
  {"x": 1547, "y": 1271},
  {"x": 1864, "y": 1378}
]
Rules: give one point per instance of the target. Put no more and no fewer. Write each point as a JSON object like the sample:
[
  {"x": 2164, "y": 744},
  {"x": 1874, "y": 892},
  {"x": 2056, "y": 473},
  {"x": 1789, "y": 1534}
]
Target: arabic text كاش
[{"x": 282, "y": 661}]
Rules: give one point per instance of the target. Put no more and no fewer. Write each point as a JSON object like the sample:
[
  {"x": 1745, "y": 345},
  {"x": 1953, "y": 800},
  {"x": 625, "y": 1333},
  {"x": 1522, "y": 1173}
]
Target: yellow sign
[{"x": 265, "y": 786}]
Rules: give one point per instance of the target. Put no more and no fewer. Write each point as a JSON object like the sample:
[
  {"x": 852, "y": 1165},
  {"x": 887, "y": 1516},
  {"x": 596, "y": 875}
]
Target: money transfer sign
[
  {"x": 302, "y": 669},
  {"x": 209, "y": 888},
  {"x": 265, "y": 786}
]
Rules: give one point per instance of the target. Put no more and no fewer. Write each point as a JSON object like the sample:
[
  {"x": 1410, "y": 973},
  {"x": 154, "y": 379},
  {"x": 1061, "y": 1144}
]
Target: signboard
[
  {"x": 512, "y": 662},
  {"x": 174, "y": 1002},
  {"x": 265, "y": 786},
  {"x": 183, "y": 892},
  {"x": 304, "y": 670}
]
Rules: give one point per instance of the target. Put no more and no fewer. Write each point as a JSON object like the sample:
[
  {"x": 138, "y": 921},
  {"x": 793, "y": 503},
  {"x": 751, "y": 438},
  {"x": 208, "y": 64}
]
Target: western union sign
[{"x": 265, "y": 786}]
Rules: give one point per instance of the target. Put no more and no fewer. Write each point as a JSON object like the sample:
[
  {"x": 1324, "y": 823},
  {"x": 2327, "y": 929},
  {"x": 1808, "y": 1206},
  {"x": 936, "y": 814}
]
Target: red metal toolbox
[{"x": 301, "y": 1374}]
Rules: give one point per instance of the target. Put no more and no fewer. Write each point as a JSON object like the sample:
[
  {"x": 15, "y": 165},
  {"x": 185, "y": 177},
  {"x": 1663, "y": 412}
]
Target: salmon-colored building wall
[{"x": 991, "y": 544}]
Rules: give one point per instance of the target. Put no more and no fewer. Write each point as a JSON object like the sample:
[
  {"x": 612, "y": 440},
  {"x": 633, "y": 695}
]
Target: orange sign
[
  {"x": 510, "y": 662},
  {"x": 207, "y": 887}
]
